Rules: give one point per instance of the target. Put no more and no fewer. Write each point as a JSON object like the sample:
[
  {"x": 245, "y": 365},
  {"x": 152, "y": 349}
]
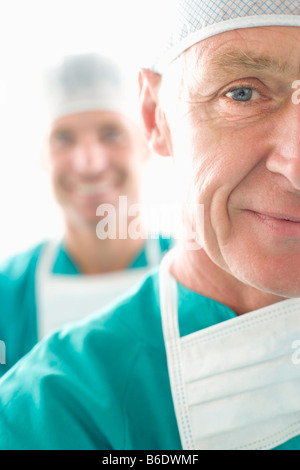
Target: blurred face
[
  {"x": 235, "y": 133},
  {"x": 95, "y": 157}
]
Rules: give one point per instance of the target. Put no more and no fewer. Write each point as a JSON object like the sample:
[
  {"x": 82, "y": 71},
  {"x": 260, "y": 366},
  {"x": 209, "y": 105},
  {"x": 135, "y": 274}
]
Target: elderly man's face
[{"x": 235, "y": 131}]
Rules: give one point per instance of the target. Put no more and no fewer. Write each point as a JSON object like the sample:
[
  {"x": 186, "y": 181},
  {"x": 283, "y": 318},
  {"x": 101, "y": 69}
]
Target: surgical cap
[
  {"x": 87, "y": 82},
  {"x": 195, "y": 20}
]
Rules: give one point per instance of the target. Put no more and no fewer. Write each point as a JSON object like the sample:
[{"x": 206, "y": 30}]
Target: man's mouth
[
  {"x": 94, "y": 189},
  {"x": 283, "y": 224},
  {"x": 283, "y": 217}
]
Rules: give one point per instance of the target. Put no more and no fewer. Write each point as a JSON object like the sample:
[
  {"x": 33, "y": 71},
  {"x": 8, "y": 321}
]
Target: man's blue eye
[{"x": 241, "y": 94}]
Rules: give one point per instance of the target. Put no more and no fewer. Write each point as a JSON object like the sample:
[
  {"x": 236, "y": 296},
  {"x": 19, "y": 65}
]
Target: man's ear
[{"x": 155, "y": 124}]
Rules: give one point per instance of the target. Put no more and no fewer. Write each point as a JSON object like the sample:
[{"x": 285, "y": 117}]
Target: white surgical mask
[{"x": 234, "y": 385}]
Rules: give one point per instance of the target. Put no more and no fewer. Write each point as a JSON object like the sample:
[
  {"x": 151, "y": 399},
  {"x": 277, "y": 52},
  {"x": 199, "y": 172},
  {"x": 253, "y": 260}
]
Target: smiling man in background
[
  {"x": 95, "y": 154},
  {"x": 201, "y": 356}
]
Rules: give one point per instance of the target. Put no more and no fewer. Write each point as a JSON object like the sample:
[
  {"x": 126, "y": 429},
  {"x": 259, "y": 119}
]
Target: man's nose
[
  {"x": 285, "y": 156},
  {"x": 89, "y": 158}
]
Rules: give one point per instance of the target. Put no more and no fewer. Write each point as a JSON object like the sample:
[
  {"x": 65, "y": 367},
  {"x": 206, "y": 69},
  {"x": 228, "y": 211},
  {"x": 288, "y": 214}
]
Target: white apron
[
  {"x": 66, "y": 298},
  {"x": 235, "y": 385}
]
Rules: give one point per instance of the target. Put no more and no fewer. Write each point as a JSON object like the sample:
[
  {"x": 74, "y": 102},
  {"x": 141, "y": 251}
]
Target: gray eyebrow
[{"x": 241, "y": 59}]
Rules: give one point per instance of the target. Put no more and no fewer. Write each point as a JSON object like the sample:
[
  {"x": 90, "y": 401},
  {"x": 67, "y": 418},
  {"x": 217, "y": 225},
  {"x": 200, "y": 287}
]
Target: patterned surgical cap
[
  {"x": 87, "y": 82},
  {"x": 195, "y": 20}
]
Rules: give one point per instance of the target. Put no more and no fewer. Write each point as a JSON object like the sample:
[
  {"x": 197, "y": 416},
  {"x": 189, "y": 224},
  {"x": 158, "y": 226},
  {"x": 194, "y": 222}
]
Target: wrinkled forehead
[
  {"x": 262, "y": 52},
  {"x": 272, "y": 48}
]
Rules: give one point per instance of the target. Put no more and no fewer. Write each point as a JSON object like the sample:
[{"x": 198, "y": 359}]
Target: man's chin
[
  {"x": 274, "y": 284},
  {"x": 82, "y": 222}
]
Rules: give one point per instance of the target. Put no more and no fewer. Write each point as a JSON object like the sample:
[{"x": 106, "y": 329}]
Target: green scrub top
[
  {"x": 18, "y": 311},
  {"x": 103, "y": 383}
]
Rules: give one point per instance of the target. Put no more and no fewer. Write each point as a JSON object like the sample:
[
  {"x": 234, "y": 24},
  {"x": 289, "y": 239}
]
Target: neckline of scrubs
[
  {"x": 64, "y": 262},
  {"x": 197, "y": 312}
]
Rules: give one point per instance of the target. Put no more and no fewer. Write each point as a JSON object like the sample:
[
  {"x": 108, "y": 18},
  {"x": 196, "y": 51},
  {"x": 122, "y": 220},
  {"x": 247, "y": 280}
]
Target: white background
[{"x": 31, "y": 33}]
